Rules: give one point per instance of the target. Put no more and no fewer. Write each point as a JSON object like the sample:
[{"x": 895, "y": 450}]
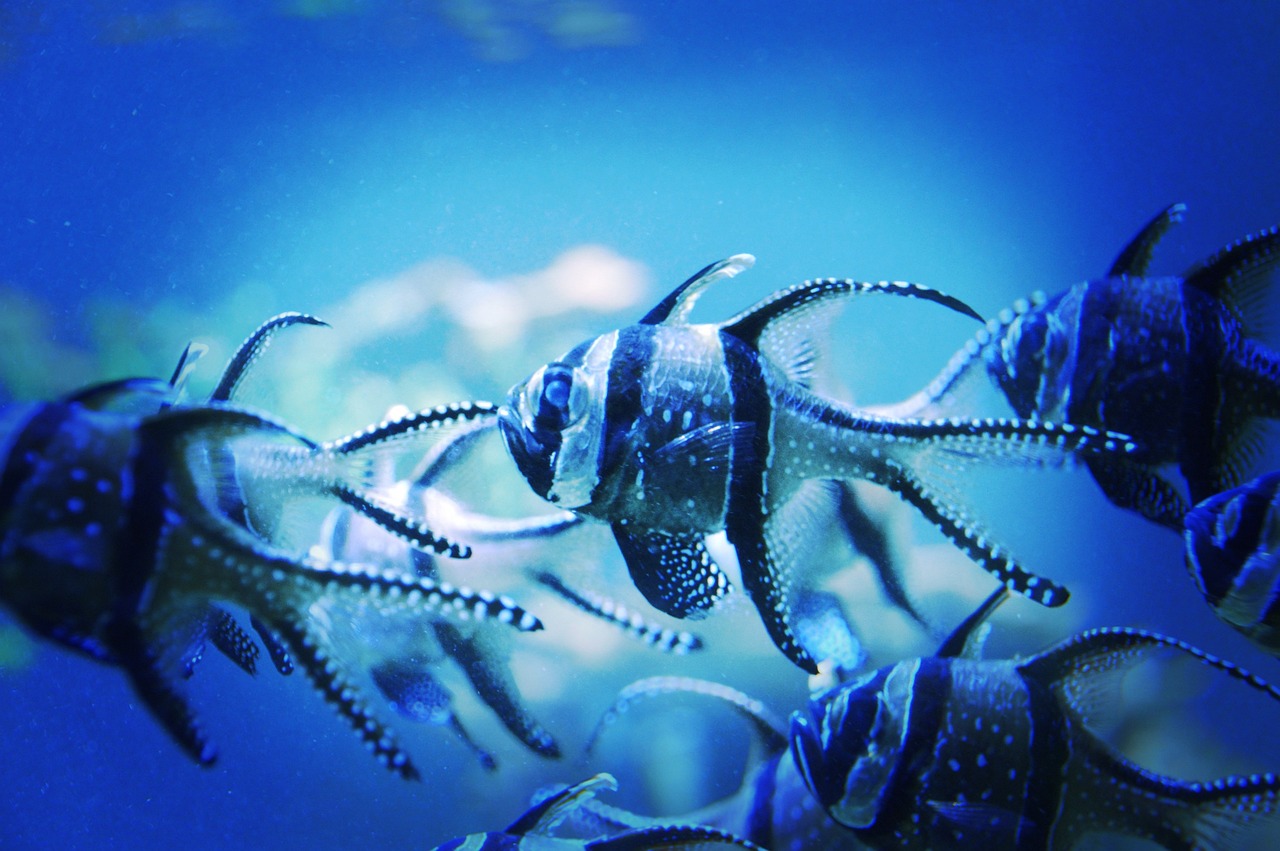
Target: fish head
[
  {"x": 553, "y": 424},
  {"x": 1233, "y": 550},
  {"x": 849, "y": 742},
  {"x": 1030, "y": 359}
]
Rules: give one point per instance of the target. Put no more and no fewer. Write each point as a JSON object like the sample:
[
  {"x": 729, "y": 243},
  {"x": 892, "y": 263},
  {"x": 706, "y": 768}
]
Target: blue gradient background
[{"x": 987, "y": 150}]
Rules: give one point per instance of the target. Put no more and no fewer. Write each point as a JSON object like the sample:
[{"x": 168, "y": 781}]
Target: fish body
[
  {"x": 1233, "y": 552},
  {"x": 1172, "y": 361},
  {"x": 670, "y": 431},
  {"x": 963, "y": 753},
  {"x": 125, "y": 524}
]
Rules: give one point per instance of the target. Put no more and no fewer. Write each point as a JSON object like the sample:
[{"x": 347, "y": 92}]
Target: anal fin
[
  {"x": 672, "y": 570},
  {"x": 1138, "y": 488}
]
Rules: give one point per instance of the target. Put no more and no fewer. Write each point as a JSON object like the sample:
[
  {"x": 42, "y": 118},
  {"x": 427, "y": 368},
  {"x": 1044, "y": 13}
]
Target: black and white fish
[
  {"x": 536, "y": 829},
  {"x": 480, "y": 650},
  {"x": 671, "y": 431},
  {"x": 414, "y": 691},
  {"x": 774, "y": 807},
  {"x": 1174, "y": 361},
  {"x": 1233, "y": 553},
  {"x": 116, "y": 539},
  {"x": 950, "y": 752}
]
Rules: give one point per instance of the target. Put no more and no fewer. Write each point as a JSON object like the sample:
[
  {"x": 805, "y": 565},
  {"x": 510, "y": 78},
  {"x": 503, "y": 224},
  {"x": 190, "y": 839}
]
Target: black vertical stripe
[
  {"x": 1049, "y": 750},
  {"x": 629, "y": 369},
  {"x": 930, "y": 693},
  {"x": 1207, "y": 429},
  {"x": 750, "y": 403},
  {"x": 746, "y": 511},
  {"x": 137, "y": 547},
  {"x": 759, "y": 825}
]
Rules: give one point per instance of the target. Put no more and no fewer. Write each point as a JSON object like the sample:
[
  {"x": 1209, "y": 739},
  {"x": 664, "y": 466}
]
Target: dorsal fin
[
  {"x": 1086, "y": 670},
  {"x": 253, "y": 345},
  {"x": 1239, "y": 275},
  {"x": 674, "y": 309},
  {"x": 543, "y": 816},
  {"x": 966, "y": 638},
  {"x": 784, "y": 325},
  {"x": 1135, "y": 258},
  {"x": 186, "y": 363}
]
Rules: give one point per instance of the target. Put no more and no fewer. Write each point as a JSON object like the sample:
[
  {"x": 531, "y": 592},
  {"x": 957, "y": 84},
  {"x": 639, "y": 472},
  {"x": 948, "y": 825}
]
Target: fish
[
  {"x": 957, "y": 752},
  {"x": 1173, "y": 361},
  {"x": 415, "y": 693},
  {"x": 1233, "y": 553},
  {"x": 670, "y": 431},
  {"x": 481, "y": 650},
  {"x": 535, "y": 829},
  {"x": 406, "y": 660},
  {"x": 118, "y": 539},
  {"x": 774, "y": 807}
]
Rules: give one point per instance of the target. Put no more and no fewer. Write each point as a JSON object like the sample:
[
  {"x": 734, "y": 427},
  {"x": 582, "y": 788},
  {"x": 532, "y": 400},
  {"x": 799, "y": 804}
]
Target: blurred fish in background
[{"x": 467, "y": 189}]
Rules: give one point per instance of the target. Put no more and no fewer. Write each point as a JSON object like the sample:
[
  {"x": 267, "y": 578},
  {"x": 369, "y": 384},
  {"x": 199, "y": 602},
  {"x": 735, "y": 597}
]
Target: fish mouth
[{"x": 534, "y": 460}]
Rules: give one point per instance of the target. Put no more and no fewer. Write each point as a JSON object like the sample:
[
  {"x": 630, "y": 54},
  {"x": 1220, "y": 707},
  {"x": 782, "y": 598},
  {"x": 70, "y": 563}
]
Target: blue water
[{"x": 168, "y": 160}]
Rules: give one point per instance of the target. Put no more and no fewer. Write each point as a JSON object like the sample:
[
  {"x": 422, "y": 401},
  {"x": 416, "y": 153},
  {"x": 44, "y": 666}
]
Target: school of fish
[{"x": 139, "y": 527}]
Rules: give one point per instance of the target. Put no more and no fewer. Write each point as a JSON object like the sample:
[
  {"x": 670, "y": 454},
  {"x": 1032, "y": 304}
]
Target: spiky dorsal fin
[
  {"x": 674, "y": 309},
  {"x": 967, "y": 638},
  {"x": 542, "y": 817},
  {"x": 1086, "y": 670},
  {"x": 252, "y": 347},
  {"x": 1239, "y": 276},
  {"x": 1135, "y": 258},
  {"x": 784, "y": 325},
  {"x": 186, "y": 365}
]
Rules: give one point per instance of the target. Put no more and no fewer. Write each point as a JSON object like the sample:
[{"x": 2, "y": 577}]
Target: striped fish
[
  {"x": 480, "y": 650},
  {"x": 774, "y": 807},
  {"x": 1172, "y": 361},
  {"x": 671, "y": 431},
  {"x": 1233, "y": 553},
  {"x": 535, "y": 829},
  {"x": 126, "y": 520},
  {"x": 948, "y": 752}
]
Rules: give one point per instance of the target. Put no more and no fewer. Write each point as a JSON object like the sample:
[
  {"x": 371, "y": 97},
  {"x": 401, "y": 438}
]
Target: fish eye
[{"x": 556, "y": 398}]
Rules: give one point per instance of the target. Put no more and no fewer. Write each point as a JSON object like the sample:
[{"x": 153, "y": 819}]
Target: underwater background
[{"x": 464, "y": 189}]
